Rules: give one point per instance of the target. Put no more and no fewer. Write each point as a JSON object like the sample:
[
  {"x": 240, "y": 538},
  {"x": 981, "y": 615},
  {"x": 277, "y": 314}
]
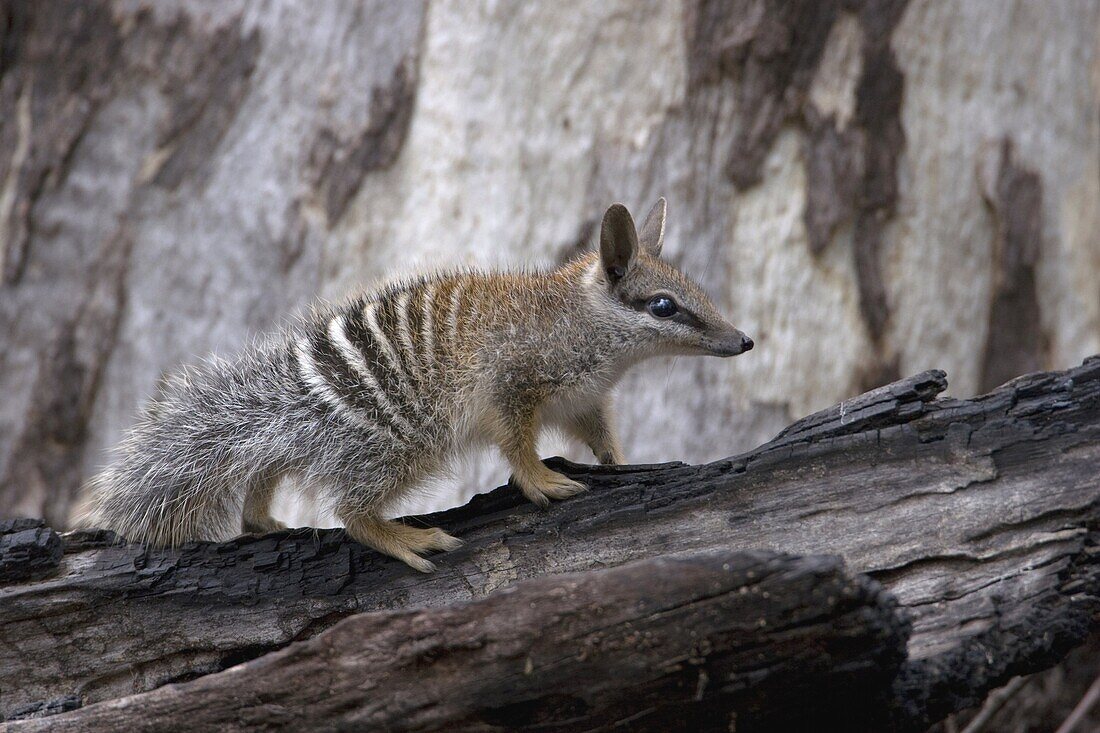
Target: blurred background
[{"x": 869, "y": 189}]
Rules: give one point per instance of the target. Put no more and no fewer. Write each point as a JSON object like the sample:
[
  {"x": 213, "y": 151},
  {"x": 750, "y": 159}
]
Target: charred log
[{"x": 978, "y": 516}]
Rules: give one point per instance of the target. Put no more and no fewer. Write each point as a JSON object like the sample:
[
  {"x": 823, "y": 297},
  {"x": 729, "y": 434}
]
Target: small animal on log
[{"x": 361, "y": 402}]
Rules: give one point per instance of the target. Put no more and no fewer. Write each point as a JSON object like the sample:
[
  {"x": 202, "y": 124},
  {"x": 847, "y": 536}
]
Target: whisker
[{"x": 671, "y": 366}]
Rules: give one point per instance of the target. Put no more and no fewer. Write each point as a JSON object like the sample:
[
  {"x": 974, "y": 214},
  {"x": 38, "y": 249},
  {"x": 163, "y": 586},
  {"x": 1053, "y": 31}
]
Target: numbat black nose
[{"x": 746, "y": 343}]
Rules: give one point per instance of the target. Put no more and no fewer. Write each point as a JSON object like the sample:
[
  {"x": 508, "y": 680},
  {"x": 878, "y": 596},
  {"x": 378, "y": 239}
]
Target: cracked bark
[
  {"x": 979, "y": 516},
  {"x": 576, "y": 651}
]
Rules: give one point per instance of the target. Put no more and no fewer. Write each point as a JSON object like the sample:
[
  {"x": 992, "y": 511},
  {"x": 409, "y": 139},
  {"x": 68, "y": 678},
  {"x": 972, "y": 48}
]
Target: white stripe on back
[
  {"x": 379, "y": 335},
  {"x": 376, "y": 331},
  {"x": 404, "y": 335},
  {"x": 452, "y": 314},
  {"x": 359, "y": 365},
  {"x": 307, "y": 368}
]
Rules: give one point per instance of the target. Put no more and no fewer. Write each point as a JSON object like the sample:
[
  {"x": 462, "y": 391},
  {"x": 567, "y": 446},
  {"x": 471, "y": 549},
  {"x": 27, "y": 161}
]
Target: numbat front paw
[{"x": 547, "y": 485}]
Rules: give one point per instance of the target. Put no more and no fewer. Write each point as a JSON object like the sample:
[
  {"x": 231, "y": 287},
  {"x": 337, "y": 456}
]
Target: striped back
[{"x": 386, "y": 363}]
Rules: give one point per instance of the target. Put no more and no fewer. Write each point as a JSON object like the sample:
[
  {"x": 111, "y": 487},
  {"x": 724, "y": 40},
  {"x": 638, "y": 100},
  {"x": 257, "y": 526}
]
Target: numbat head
[
  {"x": 363, "y": 401},
  {"x": 663, "y": 311}
]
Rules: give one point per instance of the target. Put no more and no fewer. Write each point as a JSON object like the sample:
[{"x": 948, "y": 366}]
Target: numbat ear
[
  {"x": 652, "y": 235},
  {"x": 618, "y": 242}
]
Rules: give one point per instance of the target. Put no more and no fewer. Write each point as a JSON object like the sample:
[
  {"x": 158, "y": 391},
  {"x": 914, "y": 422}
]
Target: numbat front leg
[{"x": 537, "y": 482}]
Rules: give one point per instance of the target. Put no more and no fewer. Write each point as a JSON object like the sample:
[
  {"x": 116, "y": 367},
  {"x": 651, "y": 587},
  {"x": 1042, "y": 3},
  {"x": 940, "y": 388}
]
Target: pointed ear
[
  {"x": 652, "y": 235},
  {"x": 618, "y": 242}
]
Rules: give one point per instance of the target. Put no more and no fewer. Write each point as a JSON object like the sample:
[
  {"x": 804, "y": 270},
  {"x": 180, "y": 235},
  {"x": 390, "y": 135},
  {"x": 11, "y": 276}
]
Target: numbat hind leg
[
  {"x": 398, "y": 540},
  {"x": 594, "y": 428}
]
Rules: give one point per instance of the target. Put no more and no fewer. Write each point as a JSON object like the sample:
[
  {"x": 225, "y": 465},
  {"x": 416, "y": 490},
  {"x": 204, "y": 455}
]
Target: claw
[
  {"x": 551, "y": 485},
  {"x": 443, "y": 541},
  {"x": 418, "y": 563}
]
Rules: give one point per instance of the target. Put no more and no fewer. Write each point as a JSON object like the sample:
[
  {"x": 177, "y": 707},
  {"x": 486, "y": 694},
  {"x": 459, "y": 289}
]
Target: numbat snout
[{"x": 363, "y": 401}]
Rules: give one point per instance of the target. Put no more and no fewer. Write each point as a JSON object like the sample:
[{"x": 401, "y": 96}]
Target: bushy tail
[
  {"x": 161, "y": 499},
  {"x": 183, "y": 471}
]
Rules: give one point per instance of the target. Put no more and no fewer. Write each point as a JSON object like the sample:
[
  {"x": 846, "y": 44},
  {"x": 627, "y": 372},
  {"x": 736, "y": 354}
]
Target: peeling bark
[
  {"x": 878, "y": 113},
  {"x": 772, "y": 49},
  {"x": 340, "y": 165},
  {"x": 833, "y": 168},
  {"x": 205, "y": 77}
]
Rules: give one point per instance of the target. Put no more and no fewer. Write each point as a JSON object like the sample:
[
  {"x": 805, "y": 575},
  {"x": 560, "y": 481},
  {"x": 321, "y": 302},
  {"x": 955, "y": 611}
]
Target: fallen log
[
  {"x": 979, "y": 516},
  {"x": 721, "y": 641}
]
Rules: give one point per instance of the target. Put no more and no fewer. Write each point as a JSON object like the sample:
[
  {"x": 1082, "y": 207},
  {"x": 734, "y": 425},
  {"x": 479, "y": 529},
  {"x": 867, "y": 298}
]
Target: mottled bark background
[{"x": 869, "y": 189}]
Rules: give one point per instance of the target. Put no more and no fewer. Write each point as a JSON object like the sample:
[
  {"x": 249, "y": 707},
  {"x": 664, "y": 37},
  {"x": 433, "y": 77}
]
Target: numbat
[{"x": 365, "y": 400}]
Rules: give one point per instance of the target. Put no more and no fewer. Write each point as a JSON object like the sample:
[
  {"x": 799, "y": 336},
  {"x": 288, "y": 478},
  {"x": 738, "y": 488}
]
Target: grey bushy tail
[{"x": 185, "y": 470}]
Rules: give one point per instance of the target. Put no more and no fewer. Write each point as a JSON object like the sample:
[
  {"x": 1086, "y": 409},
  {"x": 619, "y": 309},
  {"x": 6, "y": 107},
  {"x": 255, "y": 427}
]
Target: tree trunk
[
  {"x": 979, "y": 516},
  {"x": 866, "y": 187}
]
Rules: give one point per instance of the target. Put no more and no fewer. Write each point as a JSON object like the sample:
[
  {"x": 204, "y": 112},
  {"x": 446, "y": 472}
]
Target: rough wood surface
[
  {"x": 979, "y": 515},
  {"x": 707, "y": 642},
  {"x": 28, "y": 550}
]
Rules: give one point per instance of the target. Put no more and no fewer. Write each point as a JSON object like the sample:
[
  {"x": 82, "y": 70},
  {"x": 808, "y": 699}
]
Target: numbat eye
[{"x": 662, "y": 307}]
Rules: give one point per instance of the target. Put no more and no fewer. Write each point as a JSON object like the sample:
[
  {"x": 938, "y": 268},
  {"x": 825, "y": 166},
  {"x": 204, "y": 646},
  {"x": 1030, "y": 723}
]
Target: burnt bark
[
  {"x": 704, "y": 642},
  {"x": 978, "y": 516}
]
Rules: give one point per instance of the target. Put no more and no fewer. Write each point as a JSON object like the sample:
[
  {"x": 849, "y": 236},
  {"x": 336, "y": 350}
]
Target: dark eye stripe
[{"x": 687, "y": 318}]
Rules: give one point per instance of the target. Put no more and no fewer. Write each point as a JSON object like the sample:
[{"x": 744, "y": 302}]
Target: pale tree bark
[{"x": 868, "y": 188}]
